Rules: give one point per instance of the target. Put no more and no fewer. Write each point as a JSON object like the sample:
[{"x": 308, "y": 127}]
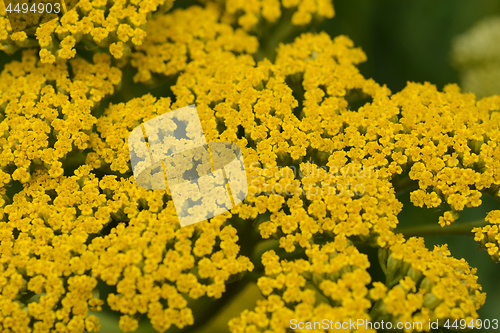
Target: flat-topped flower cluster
[{"x": 72, "y": 217}]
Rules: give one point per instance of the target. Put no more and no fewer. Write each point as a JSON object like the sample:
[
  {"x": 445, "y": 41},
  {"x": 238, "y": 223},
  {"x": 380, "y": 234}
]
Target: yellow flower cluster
[
  {"x": 352, "y": 203},
  {"x": 335, "y": 271},
  {"x": 184, "y": 37},
  {"x": 155, "y": 265},
  {"x": 445, "y": 140},
  {"x": 109, "y": 142},
  {"x": 45, "y": 115},
  {"x": 489, "y": 235},
  {"x": 54, "y": 254},
  {"x": 452, "y": 153},
  {"x": 120, "y": 27},
  {"x": 427, "y": 285},
  {"x": 116, "y": 25},
  {"x": 45, "y": 259},
  {"x": 248, "y": 14},
  {"x": 322, "y": 147}
]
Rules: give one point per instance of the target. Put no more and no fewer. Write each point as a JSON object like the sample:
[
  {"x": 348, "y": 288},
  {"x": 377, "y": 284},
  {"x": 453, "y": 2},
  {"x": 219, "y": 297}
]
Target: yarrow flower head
[
  {"x": 248, "y": 14},
  {"x": 114, "y": 25},
  {"x": 326, "y": 150},
  {"x": 185, "y": 36},
  {"x": 46, "y": 115}
]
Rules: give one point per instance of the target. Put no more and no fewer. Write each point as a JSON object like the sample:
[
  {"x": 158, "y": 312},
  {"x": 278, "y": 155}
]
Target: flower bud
[
  {"x": 431, "y": 301},
  {"x": 415, "y": 275}
]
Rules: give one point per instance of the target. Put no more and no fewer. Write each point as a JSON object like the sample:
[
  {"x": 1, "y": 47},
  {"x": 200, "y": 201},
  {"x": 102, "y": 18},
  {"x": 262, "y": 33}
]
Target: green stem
[
  {"x": 403, "y": 185},
  {"x": 435, "y": 229}
]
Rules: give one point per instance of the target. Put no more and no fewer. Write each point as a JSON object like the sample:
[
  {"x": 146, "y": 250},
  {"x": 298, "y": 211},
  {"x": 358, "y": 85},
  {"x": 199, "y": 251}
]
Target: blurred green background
[{"x": 407, "y": 40}]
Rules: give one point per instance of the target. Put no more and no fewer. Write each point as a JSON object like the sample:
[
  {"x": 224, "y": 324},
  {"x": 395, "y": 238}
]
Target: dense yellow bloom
[
  {"x": 186, "y": 36},
  {"x": 336, "y": 271},
  {"x": 149, "y": 259},
  {"x": 447, "y": 287},
  {"x": 113, "y": 127},
  {"x": 322, "y": 145},
  {"x": 489, "y": 235},
  {"x": 94, "y": 23},
  {"x": 248, "y": 14},
  {"x": 45, "y": 114},
  {"x": 453, "y": 152}
]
